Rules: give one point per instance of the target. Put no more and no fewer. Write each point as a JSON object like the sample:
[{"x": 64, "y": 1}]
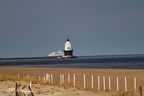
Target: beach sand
[
  {"x": 10, "y": 75},
  {"x": 45, "y": 90}
]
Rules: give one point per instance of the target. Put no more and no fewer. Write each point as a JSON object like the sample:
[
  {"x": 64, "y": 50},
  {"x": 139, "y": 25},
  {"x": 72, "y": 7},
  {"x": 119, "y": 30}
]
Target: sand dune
[
  {"x": 7, "y": 88},
  {"x": 9, "y": 77}
]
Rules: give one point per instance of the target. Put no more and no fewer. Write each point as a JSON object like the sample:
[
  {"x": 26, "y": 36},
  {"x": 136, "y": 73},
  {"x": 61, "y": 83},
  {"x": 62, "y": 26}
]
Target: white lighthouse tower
[{"x": 68, "y": 51}]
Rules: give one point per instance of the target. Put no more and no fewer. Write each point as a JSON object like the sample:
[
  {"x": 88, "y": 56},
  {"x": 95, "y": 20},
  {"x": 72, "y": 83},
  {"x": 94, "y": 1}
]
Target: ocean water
[{"x": 113, "y": 61}]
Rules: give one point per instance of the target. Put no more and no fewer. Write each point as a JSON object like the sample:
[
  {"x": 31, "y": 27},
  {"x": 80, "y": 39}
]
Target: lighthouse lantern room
[{"x": 68, "y": 51}]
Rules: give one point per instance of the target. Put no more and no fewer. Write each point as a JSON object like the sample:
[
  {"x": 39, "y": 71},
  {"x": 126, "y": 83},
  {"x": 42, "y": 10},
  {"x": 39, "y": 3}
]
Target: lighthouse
[{"x": 68, "y": 51}]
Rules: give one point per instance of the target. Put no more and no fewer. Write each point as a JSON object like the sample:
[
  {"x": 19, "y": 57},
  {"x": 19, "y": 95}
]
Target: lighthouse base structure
[{"x": 68, "y": 54}]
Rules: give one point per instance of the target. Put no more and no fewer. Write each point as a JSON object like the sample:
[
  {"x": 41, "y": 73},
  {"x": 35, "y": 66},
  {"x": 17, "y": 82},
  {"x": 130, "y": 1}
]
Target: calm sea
[{"x": 115, "y": 62}]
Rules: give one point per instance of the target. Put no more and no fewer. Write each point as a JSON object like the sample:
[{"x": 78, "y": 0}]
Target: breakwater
[{"x": 37, "y": 57}]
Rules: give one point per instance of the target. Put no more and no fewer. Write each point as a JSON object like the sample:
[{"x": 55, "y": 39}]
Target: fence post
[
  {"x": 117, "y": 84},
  {"x": 48, "y": 77},
  {"x": 74, "y": 79},
  {"x": 28, "y": 77},
  {"x": 39, "y": 77},
  {"x": 98, "y": 82},
  {"x": 44, "y": 79},
  {"x": 51, "y": 79},
  {"x": 30, "y": 84},
  {"x": 60, "y": 79},
  {"x": 68, "y": 78},
  {"x": 18, "y": 76},
  {"x": 125, "y": 84},
  {"x": 135, "y": 84},
  {"x": 109, "y": 84},
  {"x": 104, "y": 82},
  {"x": 31, "y": 91},
  {"x": 63, "y": 78},
  {"x": 140, "y": 89},
  {"x": 84, "y": 82},
  {"x": 92, "y": 81},
  {"x": 16, "y": 90}
]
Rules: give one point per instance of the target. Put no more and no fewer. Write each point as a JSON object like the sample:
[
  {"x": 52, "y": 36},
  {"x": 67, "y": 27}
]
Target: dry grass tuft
[{"x": 129, "y": 93}]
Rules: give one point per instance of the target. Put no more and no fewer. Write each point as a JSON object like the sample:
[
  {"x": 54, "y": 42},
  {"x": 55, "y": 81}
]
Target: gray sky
[{"x": 95, "y": 27}]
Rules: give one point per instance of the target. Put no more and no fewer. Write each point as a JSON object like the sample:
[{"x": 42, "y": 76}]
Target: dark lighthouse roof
[{"x": 68, "y": 39}]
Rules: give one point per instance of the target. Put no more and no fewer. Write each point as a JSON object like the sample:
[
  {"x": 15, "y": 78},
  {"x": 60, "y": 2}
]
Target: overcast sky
[{"x": 95, "y": 27}]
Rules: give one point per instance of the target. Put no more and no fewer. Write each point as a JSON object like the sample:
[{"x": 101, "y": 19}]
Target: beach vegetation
[{"x": 129, "y": 93}]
